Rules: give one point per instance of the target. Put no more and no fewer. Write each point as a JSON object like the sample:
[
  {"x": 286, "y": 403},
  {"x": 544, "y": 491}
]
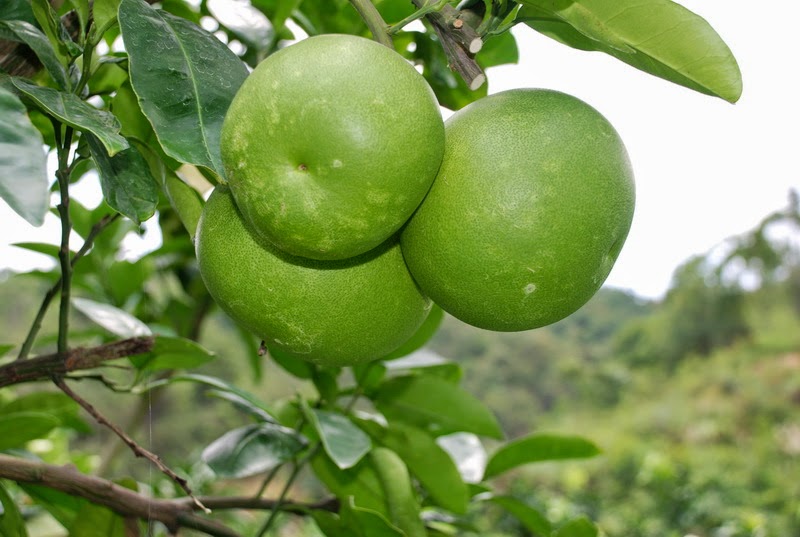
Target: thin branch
[
  {"x": 44, "y": 367},
  {"x": 137, "y": 450},
  {"x": 369, "y": 13},
  {"x": 53, "y": 291},
  {"x": 173, "y": 513},
  {"x": 62, "y": 175}
]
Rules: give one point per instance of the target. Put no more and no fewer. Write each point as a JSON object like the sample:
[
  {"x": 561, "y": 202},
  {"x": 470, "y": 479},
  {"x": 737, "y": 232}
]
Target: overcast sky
[{"x": 705, "y": 169}]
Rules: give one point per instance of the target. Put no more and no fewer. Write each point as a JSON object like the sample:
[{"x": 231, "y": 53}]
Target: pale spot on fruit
[
  {"x": 240, "y": 165},
  {"x": 530, "y": 288},
  {"x": 337, "y": 163}
]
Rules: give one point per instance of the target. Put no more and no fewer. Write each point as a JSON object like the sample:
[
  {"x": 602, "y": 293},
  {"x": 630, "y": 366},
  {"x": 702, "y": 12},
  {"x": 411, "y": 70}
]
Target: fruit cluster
[{"x": 351, "y": 208}]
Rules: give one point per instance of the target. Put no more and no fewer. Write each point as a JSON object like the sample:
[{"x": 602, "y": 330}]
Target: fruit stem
[{"x": 374, "y": 21}]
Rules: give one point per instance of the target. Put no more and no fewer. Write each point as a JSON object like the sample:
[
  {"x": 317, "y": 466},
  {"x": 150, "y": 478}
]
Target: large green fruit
[
  {"x": 528, "y": 213},
  {"x": 330, "y": 144},
  {"x": 333, "y": 313}
]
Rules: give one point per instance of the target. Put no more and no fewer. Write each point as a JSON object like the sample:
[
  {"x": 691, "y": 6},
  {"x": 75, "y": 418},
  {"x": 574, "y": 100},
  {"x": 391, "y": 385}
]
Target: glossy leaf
[
  {"x": 579, "y": 527},
  {"x": 427, "y": 362},
  {"x": 63, "y": 507},
  {"x": 184, "y": 88},
  {"x": 23, "y": 165},
  {"x": 243, "y": 404},
  {"x": 115, "y": 320},
  {"x": 429, "y": 463},
  {"x": 532, "y": 519},
  {"x": 50, "y": 24},
  {"x": 363, "y": 522},
  {"x": 499, "y": 49},
  {"x": 24, "y": 32},
  {"x": 344, "y": 442},
  {"x": 537, "y": 448},
  {"x": 173, "y": 353},
  {"x": 292, "y": 365},
  {"x": 56, "y": 404},
  {"x": 11, "y": 522},
  {"x": 252, "y": 450},
  {"x": 50, "y": 250},
  {"x": 70, "y": 109},
  {"x": 436, "y": 406},
  {"x": 20, "y": 427},
  {"x": 94, "y": 520},
  {"x": 468, "y": 454},
  {"x": 659, "y": 37},
  {"x": 127, "y": 183},
  {"x": 17, "y": 10},
  {"x": 361, "y": 482}
]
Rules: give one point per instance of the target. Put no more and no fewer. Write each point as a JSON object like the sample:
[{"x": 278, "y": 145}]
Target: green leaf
[
  {"x": 128, "y": 185},
  {"x": 24, "y": 32},
  {"x": 55, "y": 404},
  {"x": 50, "y": 250},
  {"x": 70, "y": 109},
  {"x": 94, "y": 520},
  {"x": 23, "y": 165},
  {"x": 51, "y": 26},
  {"x": 81, "y": 7},
  {"x": 499, "y": 49},
  {"x": 360, "y": 481},
  {"x": 105, "y": 14},
  {"x": 579, "y": 527},
  {"x": 186, "y": 201},
  {"x": 344, "y": 442},
  {"x": 291, "y": 364},
  {"x": 63, "y": 507},
  {"x": 252, "y": 450},
  {"x": 186, "y": 89},
  {"x": 20, "y": 427},
  {"x": 537, "y": 448},
  {"x": 363, "y": 522},
  {"x": 436, "y": 406},
  {"x": 4, "y": 348},
  {"x": 659, "y": 37},
  {"x": 424, "y": 361},
  {"x": 467, "y": 453},
  {"x": 17, "y": 10},
  {"x": 243, "y": 404},
  {"x": 173, "y": 353},
  {"x": 532, "y": 519},
  {"x": 11, "y": 522},
  {"x": 429, "y": 463},
  {"x": 423, "y": 334},
  {"x": 115, "y": 320}
]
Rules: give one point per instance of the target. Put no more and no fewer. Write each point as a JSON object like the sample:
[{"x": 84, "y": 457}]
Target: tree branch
[
  {"x": 173, "y": 513},
  {"x": 46, "y": 366}
]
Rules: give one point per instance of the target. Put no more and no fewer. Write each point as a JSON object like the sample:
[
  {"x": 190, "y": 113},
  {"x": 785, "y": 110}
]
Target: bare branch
[{"x": 173, "y": 513}]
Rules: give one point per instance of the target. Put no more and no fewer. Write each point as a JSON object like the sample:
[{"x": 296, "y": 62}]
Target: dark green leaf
[
  {"x": 429, "y": 463},
  {"x": 186, "y": 88},
  {"x": 173, "y": 353},
  {"x": 17, "y": 10},
  {"x": 4, "y": 348},
  {"x": 81, "y": 8},
  {"x": 423, "y": 334},
  {"x": 579, "y": 527},
  {"x": 659, "y": 37},
  {"x": 128, "y": 185},
  {"x": 11, "y": 522},
  {"x": 435, "y": 405},
  {"x": 115, "y": 320},
  {"x": 533, "y": 520},
  {"x": 23, "y": 166},
  {"x": 537, "y": 448},
  {"x": 292, "y": 365},
  {"x": 344, "y": 442},
  {"x": 363, "y": 522},
  {"x": 51, "y": 26},
  {"x": 252, "y": 449},
  {"x": 243, "y": 404},
  {"x": 107, "y": 78},
  {"x": 500, "y": 49},
  {"x": 94, "y": 520},
  {"x": 27, "y": 33},
  {"x": 70, "y": 109},
  {"x": 361, "y": 482},
  {"x": 429, "y": 363},
  {"x": 20, "y": 427}
]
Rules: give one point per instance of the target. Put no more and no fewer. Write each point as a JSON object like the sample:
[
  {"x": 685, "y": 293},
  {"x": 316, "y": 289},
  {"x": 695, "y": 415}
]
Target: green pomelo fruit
[
  {"x": 529, "y": 211},
  {"x": 332, "y": 313},
  {"x": 330, "y": 144}
]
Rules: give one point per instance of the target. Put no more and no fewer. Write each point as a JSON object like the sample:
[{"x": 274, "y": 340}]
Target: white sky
[{"x": 705, "y": 169}]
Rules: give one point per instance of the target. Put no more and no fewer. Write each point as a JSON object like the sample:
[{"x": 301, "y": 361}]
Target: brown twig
[
  {"x": 173, "y": 513},
  {"x": 460, "y": 42},
  {"x": 137, "y": 450},
  {"x": 44, "y": 367}
]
